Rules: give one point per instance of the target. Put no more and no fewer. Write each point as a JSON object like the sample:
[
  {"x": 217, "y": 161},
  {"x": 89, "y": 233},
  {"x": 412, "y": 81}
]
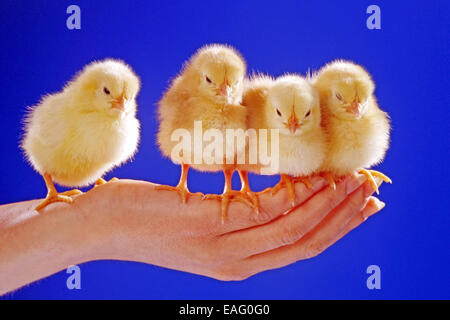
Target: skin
[{"x": 131, "y": 220}]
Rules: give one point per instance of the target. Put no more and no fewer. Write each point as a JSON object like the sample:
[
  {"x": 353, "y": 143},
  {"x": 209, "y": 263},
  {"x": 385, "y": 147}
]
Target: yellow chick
[
  {"x": 254, "y": 100},
  {"x": 75, "y": 136},
  {"x": 291, "y": 105},
  {"x": 209, "y": 89},
  {"x": 358, "y": 131}
]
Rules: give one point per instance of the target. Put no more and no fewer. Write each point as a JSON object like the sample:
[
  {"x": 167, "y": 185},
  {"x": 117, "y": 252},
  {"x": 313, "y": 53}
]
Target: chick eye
[
  {"x": 308, "y": 113},
  {"x": 339, "y": 96},
  {"x": 208, "y": 80},
  {"x": 278, "y": 112},
  {"x": 105, "y": 90}
]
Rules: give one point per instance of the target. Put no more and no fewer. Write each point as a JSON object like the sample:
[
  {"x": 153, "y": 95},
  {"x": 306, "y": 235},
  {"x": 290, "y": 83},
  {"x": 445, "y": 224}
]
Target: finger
[
  {"x": 373, "y": 206},
  {"x": 203, "y": 216},
  {"x": 289, "y": 228},
  {"x": 241, "y": 216},
  {"x": 316, "y": 241}
]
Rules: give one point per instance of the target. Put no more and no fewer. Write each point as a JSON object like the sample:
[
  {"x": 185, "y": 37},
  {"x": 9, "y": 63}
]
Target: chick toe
[
  {"x": 289, "y": 183},
  {"x": 370, "y": 174},
  {"x": 330, "y": 178},
  {"x": 70, "y": 193},
  {"x": 380, "y": 175},
  {"x": 182, "y": 190},
  {"x": 247, "y": 192},
  {"x": 53, "y": 195},
  {"x": 53, "y": 198},
  {"x": 226, "y": 197},
  {"x": 181, "y": 187},
  {"x": 252, "y": 197}
]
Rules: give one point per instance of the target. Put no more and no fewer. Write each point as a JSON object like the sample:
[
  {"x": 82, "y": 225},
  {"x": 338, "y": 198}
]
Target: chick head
[
  {"x": 108, "y": 86},
  {"x": 219, "y": 72},
  {"x": 348, "y": 88},
  {"x": 292, "y": 105}
]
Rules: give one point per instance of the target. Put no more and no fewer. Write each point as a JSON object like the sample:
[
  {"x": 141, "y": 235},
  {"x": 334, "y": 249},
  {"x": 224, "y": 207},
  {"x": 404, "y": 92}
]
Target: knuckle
[
  {"x": 328, "y": 200},
  {"x": 290, "y": 235},
  {"x": 261, "y": 217},
  {"x": 357, "y": 201},
  {"x": 314, "y": 250}
]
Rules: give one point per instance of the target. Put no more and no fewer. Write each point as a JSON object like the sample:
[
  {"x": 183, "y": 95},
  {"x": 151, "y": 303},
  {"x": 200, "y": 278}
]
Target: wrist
[
  {"x": 90, "y": 234},
  {"x": 101, "y": 222},
  {"x": 36, "y": 245},
  {"x": 74, "y": 234}
]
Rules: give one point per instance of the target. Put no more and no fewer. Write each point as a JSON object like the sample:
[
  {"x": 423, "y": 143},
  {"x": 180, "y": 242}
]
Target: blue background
[{"x": 408, "y": 58}]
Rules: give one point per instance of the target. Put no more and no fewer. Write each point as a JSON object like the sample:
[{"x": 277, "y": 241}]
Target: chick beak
[
  {"x": 355, "y": 108},
  {"x": 224, "y": 89},
  {"x": 292, "y": 123},
  {"x": 120, "y": 103}
]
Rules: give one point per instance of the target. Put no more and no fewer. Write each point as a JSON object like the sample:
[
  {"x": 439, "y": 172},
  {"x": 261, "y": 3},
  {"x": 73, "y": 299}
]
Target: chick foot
[
  {"x": 225, "y": 198},
  {"x": 54, "y": 196},
  {"x": 228, "y": 195},
  {"x": 247, "y": 192},
  {"x": 330, "y": 178},
  {"x": 182, "y": 190},
  {"x": 370, "y": 174},
  {"x": 181, "y": 187},
  {"x": 289, "y": 183},
  {"x": 305, "y": 180}
]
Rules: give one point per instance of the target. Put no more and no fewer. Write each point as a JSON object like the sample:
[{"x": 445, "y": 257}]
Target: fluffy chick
[
  {"x": 290, "y": 104},
  {"x": 254, "y": 99},
  {"x": 75, "y": 136},
  {"x": 358, "y": 131},
  {"x": 209, "y": 89}
]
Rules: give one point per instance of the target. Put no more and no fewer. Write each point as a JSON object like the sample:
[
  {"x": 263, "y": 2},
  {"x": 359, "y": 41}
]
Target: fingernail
[
  {"x": 378, "y": 204},
  {"x": 369, "y": 188},
  {"x": 354, "y": 182}
]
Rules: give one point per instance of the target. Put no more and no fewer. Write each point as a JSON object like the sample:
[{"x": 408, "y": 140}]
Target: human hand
[
  {"x": 135, "y": 222},
  {"x": 131, "y": 220}
]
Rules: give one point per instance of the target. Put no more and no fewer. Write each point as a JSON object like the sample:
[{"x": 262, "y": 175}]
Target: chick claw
[
  {"x": 331, "y": 180},
  {"x": 370, "y": 174},
  {"x": 252, "y": 197},
  {"x": 225, "y": 198},
  {"x": 289, "y": 183},
  {"x": 247, "y": 192},
  {"x": 182, "y": 191}
]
